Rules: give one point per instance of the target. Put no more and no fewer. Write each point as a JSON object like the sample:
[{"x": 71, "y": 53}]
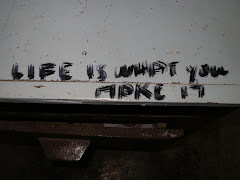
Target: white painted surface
[{"x": 114, "y": 33}]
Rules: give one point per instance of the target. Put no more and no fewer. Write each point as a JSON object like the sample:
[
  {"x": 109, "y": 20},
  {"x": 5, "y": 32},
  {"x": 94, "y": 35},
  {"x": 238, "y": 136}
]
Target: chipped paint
[{"x": 173, "y": 52}]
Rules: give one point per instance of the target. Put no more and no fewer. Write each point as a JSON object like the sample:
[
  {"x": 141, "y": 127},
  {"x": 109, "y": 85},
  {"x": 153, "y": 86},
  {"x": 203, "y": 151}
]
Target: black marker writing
[
  {"x": 142, "y": 90},
  {"x": 46, "y": 70},
  {"x": 192, "y": 71},
  {"x": 172, "y": 67},
  {"x": 215, "y": 72},
  {"x": 184, "y": 92},
  {"x": 143, "y": 68},
  {"x": 90, "y": 71},
  {"x": 63, "y": 72},
  {"x": 140, "y": 68},
  {"x": 102, "y": 73},
  {"x": 15, "y": 74},
  {"x": 31, "y": 71},
  {"x": 158, "y": 66},
  {"x": 157, "y": 92},
  {"x": 204, "y": 71},
  {"x": 200, "y": 88},
  {"x": 125, "y": 90},
  {"x": 124, "y": 71},
  {"x": 110, "y": 89}
]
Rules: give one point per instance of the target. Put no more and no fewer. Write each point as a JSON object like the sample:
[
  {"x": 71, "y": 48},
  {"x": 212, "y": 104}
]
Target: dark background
[{"x": 210, "y": 149}]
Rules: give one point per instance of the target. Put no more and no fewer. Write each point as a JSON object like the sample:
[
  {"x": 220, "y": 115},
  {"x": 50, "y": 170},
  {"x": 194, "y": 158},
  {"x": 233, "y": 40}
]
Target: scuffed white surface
[{"x": 115, "y": 33}]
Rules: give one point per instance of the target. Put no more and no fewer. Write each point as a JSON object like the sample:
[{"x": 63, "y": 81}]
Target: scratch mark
[
  {"x": 109, "y": 82},
  {"x": 40, "y": 86},
  {"x": 83, "y": 4},
  {"x": 106, "y": 20}
]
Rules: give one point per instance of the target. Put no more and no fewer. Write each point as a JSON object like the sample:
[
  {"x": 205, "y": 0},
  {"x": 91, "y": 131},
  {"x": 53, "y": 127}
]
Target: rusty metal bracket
[
  {"x": 52, "y": 128},
  {"x": 64, "y": 149},
  {"x": 75, "y": 138}
]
